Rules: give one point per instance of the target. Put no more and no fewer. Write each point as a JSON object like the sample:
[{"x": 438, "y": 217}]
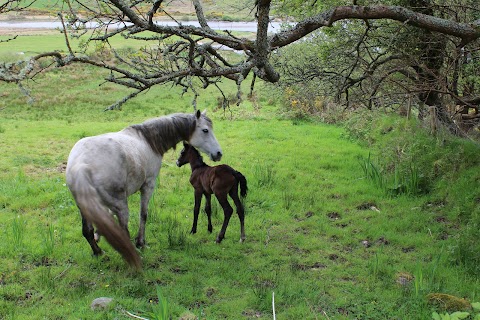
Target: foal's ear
[{"x": 198, "y": 114}]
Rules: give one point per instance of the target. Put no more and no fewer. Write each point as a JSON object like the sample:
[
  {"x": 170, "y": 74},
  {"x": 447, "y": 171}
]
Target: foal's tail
[
  {"x": 88, "y": 201},
  {"x": 243, "y": 183}
]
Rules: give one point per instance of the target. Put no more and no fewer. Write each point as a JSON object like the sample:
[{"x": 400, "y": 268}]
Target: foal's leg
[
  {"x": 196, "y": 209},
  {"x": 87, "y": 230},
  {"x": 208, "y": 211},
  {"x": 227, "y": 211},
  {"x": 240, "y": 211},
  {"x": 146, "y": 192}
]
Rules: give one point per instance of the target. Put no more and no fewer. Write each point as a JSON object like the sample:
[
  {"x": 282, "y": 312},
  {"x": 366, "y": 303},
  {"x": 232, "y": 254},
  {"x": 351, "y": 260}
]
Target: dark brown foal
[{"x": 220, "y": 180}]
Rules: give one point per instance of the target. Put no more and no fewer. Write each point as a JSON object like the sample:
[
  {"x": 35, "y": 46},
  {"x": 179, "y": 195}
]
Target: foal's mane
[
  {"x": 198, "y": 157},
  {"x": 165, "y": 132}
]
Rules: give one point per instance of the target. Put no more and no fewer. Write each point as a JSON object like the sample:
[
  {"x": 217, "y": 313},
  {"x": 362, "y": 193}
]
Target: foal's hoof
[
  {"x": 98, "y": 254},
  {"x": 139, "y": 243},
  {"x": 242, "y": 240}
]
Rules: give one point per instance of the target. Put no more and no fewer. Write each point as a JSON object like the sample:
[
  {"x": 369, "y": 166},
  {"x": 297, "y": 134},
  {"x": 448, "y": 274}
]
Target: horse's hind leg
[
  {"x": 208, "y": 210},
  {"x": 240, "y": 211},
  {"x": 88, "y": 233},
  {"x": 146, "y": 193},
  {"x": 227, "y": 211}
]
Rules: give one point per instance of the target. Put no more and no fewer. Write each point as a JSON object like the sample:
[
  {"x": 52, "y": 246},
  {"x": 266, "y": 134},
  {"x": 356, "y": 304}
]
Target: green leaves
[{"x": 454, "y": 316}]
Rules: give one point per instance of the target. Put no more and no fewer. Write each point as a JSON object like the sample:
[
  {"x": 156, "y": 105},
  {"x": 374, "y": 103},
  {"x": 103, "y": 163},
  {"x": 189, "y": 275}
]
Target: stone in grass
[
  {"x": 404, "y": 278},
  {"x": 101, "y": 303}
]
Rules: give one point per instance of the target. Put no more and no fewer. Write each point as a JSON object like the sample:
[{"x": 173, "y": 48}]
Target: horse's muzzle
[{"x": 216, "y": 157}]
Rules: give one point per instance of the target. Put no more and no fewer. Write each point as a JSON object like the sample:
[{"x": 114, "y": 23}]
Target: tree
[
  {"x": 188, "y": 56},
  {"x": 377, "y": 63}
]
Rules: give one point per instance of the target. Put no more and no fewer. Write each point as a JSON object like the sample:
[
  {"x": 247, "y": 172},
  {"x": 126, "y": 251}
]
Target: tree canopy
[{"x": 193, "y": 56}]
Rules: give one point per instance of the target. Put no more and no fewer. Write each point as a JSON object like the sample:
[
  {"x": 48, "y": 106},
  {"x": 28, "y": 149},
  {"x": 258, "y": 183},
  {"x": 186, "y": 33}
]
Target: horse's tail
[
  {"x": 243, "y": 183},
  {"x": 90, "y": 205}
]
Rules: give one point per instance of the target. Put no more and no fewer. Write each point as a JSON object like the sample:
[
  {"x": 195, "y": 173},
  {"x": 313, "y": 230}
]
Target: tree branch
[{"x": 464, "y": 31}]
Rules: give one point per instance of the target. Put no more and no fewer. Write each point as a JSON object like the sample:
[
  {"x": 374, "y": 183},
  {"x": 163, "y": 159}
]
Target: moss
[{"x": 448, "y": 302}]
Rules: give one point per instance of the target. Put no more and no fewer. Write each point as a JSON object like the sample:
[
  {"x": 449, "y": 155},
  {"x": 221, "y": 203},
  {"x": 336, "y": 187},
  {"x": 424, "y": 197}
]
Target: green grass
[
  {"x": 325, "y": 239},
  {"x": 26, "y": 45}
]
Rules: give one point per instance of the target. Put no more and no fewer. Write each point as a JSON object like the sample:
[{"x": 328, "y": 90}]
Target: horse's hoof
[{"x": 242, "y": 240}]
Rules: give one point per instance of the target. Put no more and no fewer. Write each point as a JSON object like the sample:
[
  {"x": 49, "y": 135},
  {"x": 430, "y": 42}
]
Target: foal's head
[{"x": 188, "y": 155}]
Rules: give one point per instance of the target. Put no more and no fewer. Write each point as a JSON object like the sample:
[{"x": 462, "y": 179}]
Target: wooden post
[
  {"x": 409, "y": 107},
  {"x": 433, "y": 119}
]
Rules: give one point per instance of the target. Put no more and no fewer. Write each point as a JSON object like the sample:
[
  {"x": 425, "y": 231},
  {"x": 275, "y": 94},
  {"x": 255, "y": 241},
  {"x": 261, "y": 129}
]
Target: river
[{"x": 273, "y": 27}]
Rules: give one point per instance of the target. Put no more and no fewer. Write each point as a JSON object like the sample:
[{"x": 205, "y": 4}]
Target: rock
[
  {"x": 366, "y": 243},
  {"x": 101, "y": 303},
  {"x": 404, "y": 278}
]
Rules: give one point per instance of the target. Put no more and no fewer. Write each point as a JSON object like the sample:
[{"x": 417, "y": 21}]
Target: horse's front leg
[
  {"x": 146, "y": 193},
  {"x": 208, "y": 210},
  {"x": 196, "y": 209}
]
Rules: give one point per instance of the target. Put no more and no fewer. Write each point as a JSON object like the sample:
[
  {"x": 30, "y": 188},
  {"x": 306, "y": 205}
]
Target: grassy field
[
  {"x": 321, "y": 236},
  {"x": 227, "y": 10}
]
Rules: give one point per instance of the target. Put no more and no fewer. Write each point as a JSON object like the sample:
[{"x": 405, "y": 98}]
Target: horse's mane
[{"x": 165, "y": 132}]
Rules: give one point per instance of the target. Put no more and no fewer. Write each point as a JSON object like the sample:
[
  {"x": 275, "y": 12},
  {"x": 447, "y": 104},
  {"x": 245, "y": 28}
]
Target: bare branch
[{"x": 464, "y": 31}]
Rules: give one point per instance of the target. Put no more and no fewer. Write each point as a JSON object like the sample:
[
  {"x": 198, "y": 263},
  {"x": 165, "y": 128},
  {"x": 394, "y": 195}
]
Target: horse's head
[
  {"x": 203, "y": 138},
  {"x": 183, "y": 158}
]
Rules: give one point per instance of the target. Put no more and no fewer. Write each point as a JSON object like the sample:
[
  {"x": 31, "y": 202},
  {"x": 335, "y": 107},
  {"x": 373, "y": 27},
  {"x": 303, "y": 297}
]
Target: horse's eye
[{"x": 205, "y": 130}]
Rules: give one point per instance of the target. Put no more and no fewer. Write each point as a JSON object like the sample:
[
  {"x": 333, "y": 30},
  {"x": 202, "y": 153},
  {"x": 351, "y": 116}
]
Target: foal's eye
[{"x": 205, "y": 130}]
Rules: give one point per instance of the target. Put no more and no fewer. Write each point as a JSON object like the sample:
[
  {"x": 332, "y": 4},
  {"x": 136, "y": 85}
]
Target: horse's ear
[
  {"x": 204, "y": 113},
  {"x": 198, "y": 114}
]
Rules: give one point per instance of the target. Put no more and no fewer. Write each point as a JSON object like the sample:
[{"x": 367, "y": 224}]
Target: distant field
[
  {"x": 228, "y": 10},
  {"x": 33, "y": 43}
]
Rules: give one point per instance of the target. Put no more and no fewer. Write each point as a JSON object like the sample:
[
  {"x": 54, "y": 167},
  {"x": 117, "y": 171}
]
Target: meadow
[{"x": 326, "y": 240}]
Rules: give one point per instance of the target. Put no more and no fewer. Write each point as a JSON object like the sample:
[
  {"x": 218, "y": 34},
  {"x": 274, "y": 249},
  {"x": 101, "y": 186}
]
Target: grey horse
[{"x": 102, "y": 171}]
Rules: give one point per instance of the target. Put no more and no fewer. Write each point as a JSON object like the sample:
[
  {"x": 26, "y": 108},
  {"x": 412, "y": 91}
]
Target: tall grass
[
  {"x": 160, "y": 309},
  {"x": 373, "y": 172},
  {"x": 263, "y": 174},
  {"x": 48, "y": 237},
  {"x": 176, "y": 233},
  {"x": 400, "y": 182},
  {"x": 18, "y": 232}
]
